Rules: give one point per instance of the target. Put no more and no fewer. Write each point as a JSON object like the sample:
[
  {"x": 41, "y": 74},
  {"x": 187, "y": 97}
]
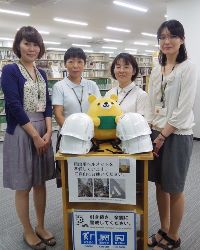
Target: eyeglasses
[{"x": 169, "y": 37}]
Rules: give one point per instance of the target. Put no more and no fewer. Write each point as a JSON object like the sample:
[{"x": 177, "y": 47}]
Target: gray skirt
[
  {"x": 171, "y": 167},
  {"x": 23, "y": 168}
]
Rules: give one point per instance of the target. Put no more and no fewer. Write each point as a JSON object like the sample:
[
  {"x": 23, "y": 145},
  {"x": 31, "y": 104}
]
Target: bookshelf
[{"x": 145, "y": 67}]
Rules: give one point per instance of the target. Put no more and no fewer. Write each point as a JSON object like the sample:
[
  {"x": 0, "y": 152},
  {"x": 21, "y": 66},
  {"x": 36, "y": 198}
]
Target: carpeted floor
[{"x": 11, "y": 230}]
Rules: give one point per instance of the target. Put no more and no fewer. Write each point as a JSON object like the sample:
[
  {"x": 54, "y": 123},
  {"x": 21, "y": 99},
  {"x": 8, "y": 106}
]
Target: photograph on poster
[
  {"x": 85, "y": 187},
  {"x": 117, "y": 188},
  {"x": 101, "y": 187},
  {"x": 124, "y": 165}
]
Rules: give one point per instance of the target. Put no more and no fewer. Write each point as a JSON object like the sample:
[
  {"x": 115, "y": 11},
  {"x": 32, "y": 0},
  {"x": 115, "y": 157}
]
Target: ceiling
[{"x": 97, "y": 13}]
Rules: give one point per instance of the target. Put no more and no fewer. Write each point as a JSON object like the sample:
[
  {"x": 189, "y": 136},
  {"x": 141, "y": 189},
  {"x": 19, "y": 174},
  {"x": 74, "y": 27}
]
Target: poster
[
  {"x": 102, "y": 179},
  {"x": 109, "y": 230}
]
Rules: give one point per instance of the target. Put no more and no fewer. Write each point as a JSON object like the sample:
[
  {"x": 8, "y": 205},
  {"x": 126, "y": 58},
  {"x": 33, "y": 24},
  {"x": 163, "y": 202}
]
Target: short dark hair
[
  {"x": 30, "y": 34},
  {"x": 175, "y": 28},
  {"x": 74, "y": 52},
  {"x": 128, "y": 59}
]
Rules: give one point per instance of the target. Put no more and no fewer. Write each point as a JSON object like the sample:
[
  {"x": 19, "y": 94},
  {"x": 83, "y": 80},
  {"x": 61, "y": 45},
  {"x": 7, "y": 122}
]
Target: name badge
[
  {"x": 159, "y": 110},
  {"x": 40, "y": 107}
]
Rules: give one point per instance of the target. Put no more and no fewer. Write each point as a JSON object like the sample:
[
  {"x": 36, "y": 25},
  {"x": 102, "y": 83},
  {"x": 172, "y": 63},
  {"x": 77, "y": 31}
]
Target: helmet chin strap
[
  {"x": 58, "y": 142},
  {"x": 115, "y": 144}
]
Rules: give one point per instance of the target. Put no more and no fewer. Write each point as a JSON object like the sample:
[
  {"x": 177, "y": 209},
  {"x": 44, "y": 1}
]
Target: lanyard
[
  {"x": 32, "y": 78},
  {"x": 79, "y": 100},
  {"x": 163, "y": 87},
  {"x": 124, "y": 96}
]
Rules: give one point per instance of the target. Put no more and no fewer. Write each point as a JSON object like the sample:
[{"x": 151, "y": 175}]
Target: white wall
[{"x": 188, "y": 13}]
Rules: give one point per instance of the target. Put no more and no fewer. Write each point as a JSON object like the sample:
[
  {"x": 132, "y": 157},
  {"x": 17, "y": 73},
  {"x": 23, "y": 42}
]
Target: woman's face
[
  {"x": 29, "y": 51},
  {"x": 75, "y": 67},
  {"x": 123, "y": 72},
  {"x": 169, "y": 44}
]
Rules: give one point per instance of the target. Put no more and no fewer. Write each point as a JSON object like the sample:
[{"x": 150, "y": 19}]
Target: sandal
[
  {"x": 170, "y": 244},
  {"x": 39, "y": 246},
  {"x": 49, "y": 242},
  {"x": 154, "y": 242}
]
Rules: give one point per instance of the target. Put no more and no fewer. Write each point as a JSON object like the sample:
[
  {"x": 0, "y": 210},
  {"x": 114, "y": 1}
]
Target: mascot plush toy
[{"x": 105, "y": 113}]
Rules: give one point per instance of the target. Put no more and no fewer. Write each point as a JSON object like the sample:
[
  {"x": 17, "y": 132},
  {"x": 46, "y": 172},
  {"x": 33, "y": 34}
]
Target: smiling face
[
  {"x": 29, "y": 51},
  {"x": 169, "y": 43},
  {"x": 123, "y": 72}
]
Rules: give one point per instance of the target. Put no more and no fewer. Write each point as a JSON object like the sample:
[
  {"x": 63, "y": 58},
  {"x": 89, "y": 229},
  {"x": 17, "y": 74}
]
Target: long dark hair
[{"x": 175, "y": 28}]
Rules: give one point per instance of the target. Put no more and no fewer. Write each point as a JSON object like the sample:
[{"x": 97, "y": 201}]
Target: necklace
[
  {"x": 124, "y": 96},
  {"x": 36, "y": 78},
  {"x": 163, "y": 87}
]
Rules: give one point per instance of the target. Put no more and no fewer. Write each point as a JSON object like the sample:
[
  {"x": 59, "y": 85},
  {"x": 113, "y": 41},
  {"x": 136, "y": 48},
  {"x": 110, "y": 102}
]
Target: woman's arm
[
  {"x": 59, "y": 114},
  {"x": 47, "y": 136},
  {"x": 58, "y": 103},
  {"x": 160, "y": 139},
  {"x": 10, "y": 82},
  {"x": 182, "y": 115}
]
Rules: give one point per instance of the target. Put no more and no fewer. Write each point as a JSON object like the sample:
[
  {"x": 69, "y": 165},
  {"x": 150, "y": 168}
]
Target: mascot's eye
[
  {"x": 98, "y": 103},
  {"x": 112, "y": 103}
]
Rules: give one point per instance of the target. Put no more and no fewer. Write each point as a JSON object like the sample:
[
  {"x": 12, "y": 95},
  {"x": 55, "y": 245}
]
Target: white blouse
[
  {"x": 179, "y": 98},
  {"x": 131, "y": 98},
  {"x": 74, "y": 97}
]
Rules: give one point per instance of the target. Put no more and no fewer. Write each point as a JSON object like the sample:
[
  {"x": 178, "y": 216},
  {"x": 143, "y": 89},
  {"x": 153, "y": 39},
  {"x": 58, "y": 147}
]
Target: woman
[
  {"x": 172, "y": 93},
  {"x": 28, "y": 160},
  {"x": 70, "y": 95},
  {"x": 131, "y": 98}
]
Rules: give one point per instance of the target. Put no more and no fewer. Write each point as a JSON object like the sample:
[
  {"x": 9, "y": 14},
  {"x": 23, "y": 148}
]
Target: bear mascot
[{"x": 105, "y": 113}]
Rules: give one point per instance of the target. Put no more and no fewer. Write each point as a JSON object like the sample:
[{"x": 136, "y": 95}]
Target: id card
[
  {"x": 159, "y": 110},
  {"x": 40, "y": 107}
]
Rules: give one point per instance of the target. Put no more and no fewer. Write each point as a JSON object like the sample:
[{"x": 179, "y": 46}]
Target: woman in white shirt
[
  {"x": 172, "y": 92},
  {"x": 70, "y": 95},
  {"x": 131, "y": 98}
]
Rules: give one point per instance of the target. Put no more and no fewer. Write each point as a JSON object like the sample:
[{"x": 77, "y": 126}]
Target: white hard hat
[
  {"x": 132, "y": 125},
  {"x": 72, "y": 145},
  {"x": 78, "y": 125},
  {"x": 137, "y": 145}
]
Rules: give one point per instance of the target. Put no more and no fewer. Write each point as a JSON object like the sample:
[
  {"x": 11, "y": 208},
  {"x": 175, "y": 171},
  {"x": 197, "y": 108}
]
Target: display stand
[{"x": 140, "y": 208}]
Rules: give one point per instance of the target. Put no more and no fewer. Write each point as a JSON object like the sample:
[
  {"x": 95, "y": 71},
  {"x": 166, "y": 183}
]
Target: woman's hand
[
  {"x": 158, "y": 143},
  {"x": 40, "y": 144},
  {"x": 47, "y": 138}
]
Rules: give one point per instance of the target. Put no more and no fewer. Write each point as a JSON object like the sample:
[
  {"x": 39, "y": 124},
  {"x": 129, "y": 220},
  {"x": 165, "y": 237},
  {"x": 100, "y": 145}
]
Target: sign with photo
[
  {"x": 102, "y": 179},
  {"x": 109, "y": 230}
]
